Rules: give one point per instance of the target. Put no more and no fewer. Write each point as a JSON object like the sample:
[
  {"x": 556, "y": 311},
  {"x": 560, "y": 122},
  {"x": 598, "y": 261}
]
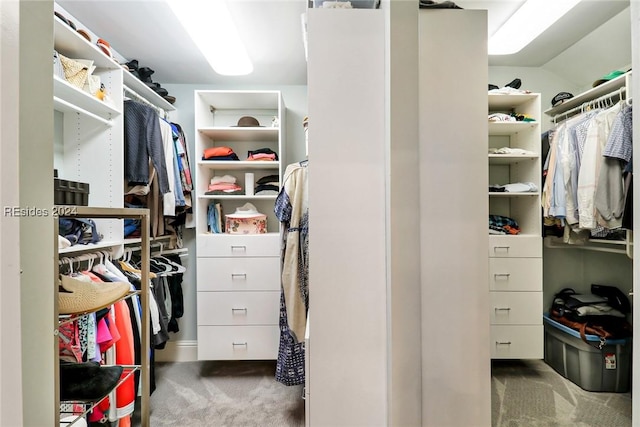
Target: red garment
[
  {"x": 224, "y": 186},
  {"x": 125, "y": 355}
]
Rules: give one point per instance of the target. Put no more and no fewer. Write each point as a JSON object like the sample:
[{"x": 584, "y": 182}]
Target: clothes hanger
[{"x": 180, "y": 268}]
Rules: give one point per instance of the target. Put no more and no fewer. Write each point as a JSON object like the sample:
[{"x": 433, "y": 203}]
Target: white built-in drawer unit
[
  {"x": 515, "y": 274},
  {"x": 238, "y": 274},
  {"x": 238, "y": 342},
  {"x": 238, "y": 245},
  {"x": 515, "y": 246},
  {"x": 517, "y": 342},
  {"x": 238, "y": 298},
  {"x": 515, "y": 308},
  {"x": 515, "y": 261},
  {"x": 238, "y": 308}
]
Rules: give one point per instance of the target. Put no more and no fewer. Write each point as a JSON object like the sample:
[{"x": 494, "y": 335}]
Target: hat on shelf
[
  {"x": 105, "y": 47},
  {"x": 612, "y": 75},
  {"x": 560, "y": 98},
  {"x": 84, "y": 34},
  {"x": 78, "y": 296},
  {"x": 248, "y": 121}
]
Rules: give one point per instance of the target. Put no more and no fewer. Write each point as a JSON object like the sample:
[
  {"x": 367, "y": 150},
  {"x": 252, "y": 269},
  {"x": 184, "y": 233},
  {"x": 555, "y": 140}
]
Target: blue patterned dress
[{"x": 291, "y": 209}]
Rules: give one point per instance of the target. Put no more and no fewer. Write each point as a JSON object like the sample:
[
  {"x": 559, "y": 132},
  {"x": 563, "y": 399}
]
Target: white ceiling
[{"x": 271, "y": 29}]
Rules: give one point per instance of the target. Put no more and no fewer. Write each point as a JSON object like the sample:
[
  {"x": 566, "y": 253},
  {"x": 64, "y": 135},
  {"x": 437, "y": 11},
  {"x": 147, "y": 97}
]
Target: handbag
[
  {"x": 75, "y": 72},
  {"x": 591, "y": 314}
]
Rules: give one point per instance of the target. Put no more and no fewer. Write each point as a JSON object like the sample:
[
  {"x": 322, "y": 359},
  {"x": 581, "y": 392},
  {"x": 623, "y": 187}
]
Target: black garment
[
  {"x": 232, "y": 156},
  {"x": 269, "y": 179},
  {"x": 160, "y": 339},
  {"x": 627, "y": 215},
  {"x": 175, "y": 290},
  {"x": 427, "y": 4},
  {"x": 264, "y": 187},
  {"x": 143, "y": 140}
]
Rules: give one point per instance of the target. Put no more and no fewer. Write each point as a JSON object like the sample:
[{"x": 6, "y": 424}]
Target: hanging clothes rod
[
  {"x": 617, "y": 95},
  {"x": 85, "y": 257},
  {"x": 128, "y": 92}
]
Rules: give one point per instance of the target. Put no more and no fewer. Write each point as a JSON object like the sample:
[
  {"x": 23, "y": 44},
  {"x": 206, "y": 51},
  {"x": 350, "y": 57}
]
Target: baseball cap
[
  {"x": 560, "y": 98},
  {"x": 612, "y": 75}
]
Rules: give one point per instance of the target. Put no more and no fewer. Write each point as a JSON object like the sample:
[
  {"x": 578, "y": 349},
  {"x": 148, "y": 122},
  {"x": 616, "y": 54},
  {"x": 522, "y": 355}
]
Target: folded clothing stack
[
  {"x": 223, "y": 185},
  {"x": 268, "y": 185},
  {"x": 219, "y": 153}
]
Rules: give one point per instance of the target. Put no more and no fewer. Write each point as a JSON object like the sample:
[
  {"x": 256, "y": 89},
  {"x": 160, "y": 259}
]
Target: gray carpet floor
[
  {"x": 221, "y": 394},
  {"x": 244, "y": 393},
  {"x": 532, "y": 394}
]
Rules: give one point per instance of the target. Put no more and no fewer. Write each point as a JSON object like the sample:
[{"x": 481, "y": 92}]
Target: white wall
[
  {"x": 537, "y": 80},
  {"x": 606, "y": 49},
  {"x": 182, "y": 344}
]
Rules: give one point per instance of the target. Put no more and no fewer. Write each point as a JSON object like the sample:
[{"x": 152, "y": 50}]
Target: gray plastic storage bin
[{"x": 607, "y": 369}]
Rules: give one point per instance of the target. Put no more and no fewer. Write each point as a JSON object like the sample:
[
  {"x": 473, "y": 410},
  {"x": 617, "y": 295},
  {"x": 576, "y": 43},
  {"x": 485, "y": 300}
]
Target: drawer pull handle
[
  {"x": 238, "y": 248},
  {"x": 234, "y": 275},
  {"x": 239, "y": 344},
  {"x": 503, "y": 342},
  {"x": 233, "y": 310},
  {"x": 502, "y": 309},
  {"x": 501, "y": 248},
  {"x": 499, "y": 275}
]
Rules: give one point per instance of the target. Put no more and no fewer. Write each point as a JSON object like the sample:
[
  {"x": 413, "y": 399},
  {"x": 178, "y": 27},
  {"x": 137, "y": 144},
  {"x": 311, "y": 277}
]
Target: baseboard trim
[{"x": 178, "y": 351}]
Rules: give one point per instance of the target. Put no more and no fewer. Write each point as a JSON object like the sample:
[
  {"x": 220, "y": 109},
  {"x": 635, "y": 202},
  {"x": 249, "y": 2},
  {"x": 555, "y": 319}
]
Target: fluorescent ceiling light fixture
[
  {"x": 210, "y": 26},
  {"x": 527, "y": 23}
]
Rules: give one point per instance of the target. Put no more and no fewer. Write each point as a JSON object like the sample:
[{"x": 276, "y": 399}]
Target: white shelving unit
[
  {"x": 515, "y": 261},
  {"x": 144, "y": 366},
  {"x": 238, "y": 276},
  {"x": 89, "y": 148}
]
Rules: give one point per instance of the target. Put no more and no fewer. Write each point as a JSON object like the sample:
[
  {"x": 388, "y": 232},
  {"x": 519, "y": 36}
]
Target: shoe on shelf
[
  {"x": 145, "y": 74},
  {"x": 87, "y": 381},
  {"x": 77, "y": 296}
]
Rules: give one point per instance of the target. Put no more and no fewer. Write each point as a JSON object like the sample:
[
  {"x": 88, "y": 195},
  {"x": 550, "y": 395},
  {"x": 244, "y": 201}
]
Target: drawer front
[
  {"x": 517, "y": 342},
  {"x": 238, "y": 308},
  {"x": 516, "y": 308},
  {"x": 515, "y": 246},
  {"x": 232, "y": 245},
  {"x": 515, "y": 274},
  {"x": 238, "y": 274},
  {"x": 238, "y": 342}
]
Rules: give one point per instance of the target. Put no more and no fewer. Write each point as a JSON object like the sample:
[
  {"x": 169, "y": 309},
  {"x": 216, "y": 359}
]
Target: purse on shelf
[{"x": 75, "y": 72}]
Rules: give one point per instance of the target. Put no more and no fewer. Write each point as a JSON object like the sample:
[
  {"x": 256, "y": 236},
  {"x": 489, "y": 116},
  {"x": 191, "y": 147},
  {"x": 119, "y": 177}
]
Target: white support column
[
  {"x": 35, "y": 189},
  {"x": 10, "y": 337},
  {"x": 347, "y": 235},
  {"x": 452, "y": 85}
]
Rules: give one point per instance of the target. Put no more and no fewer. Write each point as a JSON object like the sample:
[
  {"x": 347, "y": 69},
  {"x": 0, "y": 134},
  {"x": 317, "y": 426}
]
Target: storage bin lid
[{"x": 591, "y": 338}]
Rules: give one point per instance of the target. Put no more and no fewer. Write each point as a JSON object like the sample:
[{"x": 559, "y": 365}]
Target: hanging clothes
[
  {"x": 610, "y": 192},
  {"x": 586, "y": 180},
  {"x": 292, "y": 210},
  {"x": 169, "y": 198},
  {"x": 143, "y": 141}
]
